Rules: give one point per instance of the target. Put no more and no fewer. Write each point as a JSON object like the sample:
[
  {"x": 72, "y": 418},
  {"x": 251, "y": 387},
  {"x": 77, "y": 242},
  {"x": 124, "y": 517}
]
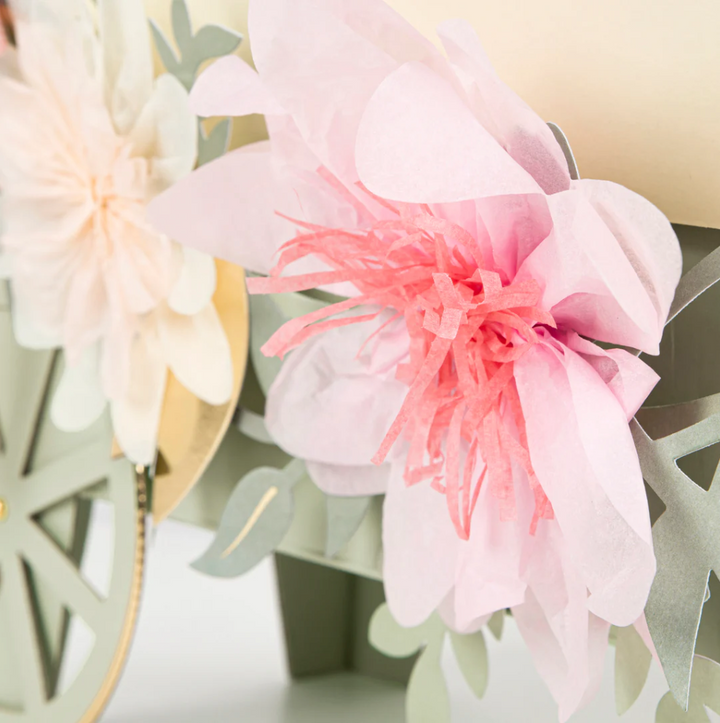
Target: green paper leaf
[
  {"x": 427, "y": 695},
  {"x": 344, "y": 516},
  {"x": 387, "y": 636},
  {"x": 632, "y": 664},
  {"x": 181, "y": 25},
  {"x": 496, "y": 624},
  {"x": 704, "y": 696},
  {"x": 167, "y": 55},
  {"x": 686, "y": 537},
  {"x": 253, "y": 426},
  {"x": 215, "y": 144},
  {"x": 214, "y": 41},
  {"x": 255, "y": 521},
  {"x": 265, "y": 320},
  {"x": 471, "y": 654}
]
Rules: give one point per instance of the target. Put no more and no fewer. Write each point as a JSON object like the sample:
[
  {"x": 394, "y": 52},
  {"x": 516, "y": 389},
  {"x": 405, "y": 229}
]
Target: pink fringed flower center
[{"x": 467, "y": 328}]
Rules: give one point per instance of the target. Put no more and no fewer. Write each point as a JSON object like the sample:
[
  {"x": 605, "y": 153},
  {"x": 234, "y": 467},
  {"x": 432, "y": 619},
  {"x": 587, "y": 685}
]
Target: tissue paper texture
[
  {"x": 87, "y": 137},
  {"x": 472, "y": 269}
]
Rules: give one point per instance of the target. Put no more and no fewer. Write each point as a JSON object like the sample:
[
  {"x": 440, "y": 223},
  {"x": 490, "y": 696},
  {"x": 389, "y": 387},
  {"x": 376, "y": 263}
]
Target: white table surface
[{"x": 211, "y": 651}]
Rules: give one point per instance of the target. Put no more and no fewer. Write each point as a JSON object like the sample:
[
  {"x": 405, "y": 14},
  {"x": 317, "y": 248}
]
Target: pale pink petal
[
  {"x": 489, "y": 573},
  {"x": 79, "y": 400},
  {"x": 567, "y": 642},
  {"x": 349, "y": 481},
  {"x": 627, "y": 377},
  {"x": 520, "y": 131},
  {"x": 227, "y": 209},
  {"x": 418, "y": 142},
  {"x": 583, "y": 454},
  {"x": 323, "y": 59},
  {"x": 510, "y": 228},
  {"x": 198, "y": 353},
  {"x": 589, "y": 284},
  {"x": 645, "y": 236},
  {"x": 329, "y": 405},
  {"x": 136, "y": 414},
  {"x": 230, "y": 87},
  {"x": 420, "y": 546}
]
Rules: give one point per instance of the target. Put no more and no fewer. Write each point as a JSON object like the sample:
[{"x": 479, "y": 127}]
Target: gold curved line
[{"x": 268, "y": 497}]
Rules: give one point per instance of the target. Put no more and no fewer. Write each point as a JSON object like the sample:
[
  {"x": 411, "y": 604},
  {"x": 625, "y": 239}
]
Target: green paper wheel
[{"x": 49, "y": 484}]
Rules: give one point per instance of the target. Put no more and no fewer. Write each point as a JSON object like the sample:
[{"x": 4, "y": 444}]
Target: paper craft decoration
[
  {"x": 625, "y": 81},
  {"x": 453, "y": 374},
  {"x": 87, "y": 137}
]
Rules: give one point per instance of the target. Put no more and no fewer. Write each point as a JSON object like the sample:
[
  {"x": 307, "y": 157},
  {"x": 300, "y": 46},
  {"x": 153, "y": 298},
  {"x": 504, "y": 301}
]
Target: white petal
[
  {"x": 198, "y": 353},
  {"x": 136, "y": 415},
  {"x": 166, "y": 132},
  {"x": 127, "y": 60},
  {"x": 79, "y": 399},
  {"x": 28, "y": 332},
  {"x": 195, "y": 286}
]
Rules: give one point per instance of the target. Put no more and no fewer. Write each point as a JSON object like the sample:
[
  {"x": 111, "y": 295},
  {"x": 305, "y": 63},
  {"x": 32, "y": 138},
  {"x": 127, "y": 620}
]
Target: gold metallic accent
[
  {"x": 191, "y": 430},
  {"x": 268, "y": 497},
  {"x": 98, "y": 705},
  {"x": 3, "y": 510}
]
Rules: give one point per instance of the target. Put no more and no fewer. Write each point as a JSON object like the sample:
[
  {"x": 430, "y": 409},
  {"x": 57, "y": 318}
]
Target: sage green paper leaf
[
  {"x": 344, "y": 516},
  {"x": 214, "y": 41},
  {"x": 471, "y": 654},
  {"x": 427, "y": 694},
  {"x": 496, "y": 623},
  {"x": 255, "y": 521},
  {"x": 632, "y": 664},
  {"x": 391, "y": 639},
  {"x": 704, "y": 696},
  {"x": 215, "y": 144},
  {"x": 265, "y": 320},
  {"x": 181, "y": 24},
  {"x": 167, "y": 55},
  {"x": 686, "y": 536}
]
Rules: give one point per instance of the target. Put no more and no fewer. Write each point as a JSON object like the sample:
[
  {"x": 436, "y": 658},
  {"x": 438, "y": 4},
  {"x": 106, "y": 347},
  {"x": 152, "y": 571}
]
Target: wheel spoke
[
  {"x": 29, "y": 396},
  {"x": 17, "y": 608},
  {"x": 65, "y": 478},
  {"x": 47, "y": 560}
]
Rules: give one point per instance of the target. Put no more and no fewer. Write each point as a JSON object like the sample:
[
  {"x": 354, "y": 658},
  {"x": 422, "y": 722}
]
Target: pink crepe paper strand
[{"x": 467, "y": 327}]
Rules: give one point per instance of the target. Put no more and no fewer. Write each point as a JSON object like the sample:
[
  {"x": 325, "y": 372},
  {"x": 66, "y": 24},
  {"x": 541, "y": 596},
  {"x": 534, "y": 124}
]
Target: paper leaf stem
[
  {"x": 211, "y": 41},
  {"x": 704, "y": 696},
  {"x": 632, "y": 665},
  {"x": 256, "y": 519},
  {"x": 344, "y": 516},
  {"x": 686, "y": 536}
]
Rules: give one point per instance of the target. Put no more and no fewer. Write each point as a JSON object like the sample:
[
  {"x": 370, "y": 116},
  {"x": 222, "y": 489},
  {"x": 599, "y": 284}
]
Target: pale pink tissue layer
[{"x": 479, "y": 271}]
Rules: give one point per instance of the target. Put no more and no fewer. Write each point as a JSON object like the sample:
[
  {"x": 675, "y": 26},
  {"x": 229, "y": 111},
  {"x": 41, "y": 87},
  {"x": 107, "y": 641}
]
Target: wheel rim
[{"x": 41, "y": 584}]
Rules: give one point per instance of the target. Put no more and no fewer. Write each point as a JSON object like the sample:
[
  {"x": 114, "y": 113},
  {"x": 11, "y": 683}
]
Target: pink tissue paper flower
[
  {"x": 457, "y": 375},
  {"x": 87, "y": 137}
]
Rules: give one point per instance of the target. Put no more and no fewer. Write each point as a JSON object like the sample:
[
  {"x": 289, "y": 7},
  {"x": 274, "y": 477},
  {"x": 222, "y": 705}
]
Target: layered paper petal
[
  {"x": 230, "y": 87},
  {"x": 585, "y": 460},
  {"x": 229, "y": 209},
  {"x": 329, "y": 405},
  {"x": 419, "y": 143},
  {"x": 198, "y": 353},
  {"x": 520, "y": 131},
  {"x": 420, "y": 550},
  {"x": 79, "y": 399},
  {"x": 349, "y": 481}
]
